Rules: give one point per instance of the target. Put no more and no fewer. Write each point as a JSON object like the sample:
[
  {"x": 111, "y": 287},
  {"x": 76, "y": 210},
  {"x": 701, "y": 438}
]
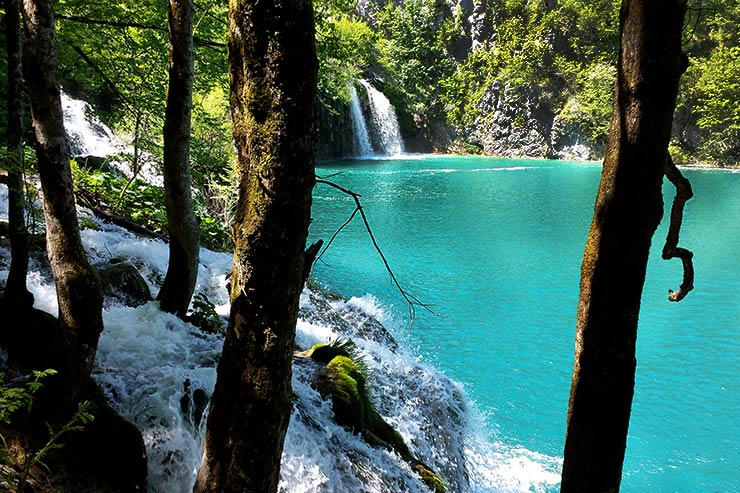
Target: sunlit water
[
  {"x": 494, "y": 246},
  {"x": 479, "y": 391}
]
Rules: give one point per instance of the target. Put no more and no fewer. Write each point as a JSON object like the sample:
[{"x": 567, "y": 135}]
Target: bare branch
[
  {"x": 411, "y": 300},
  {"x": 671, "y": 248}
]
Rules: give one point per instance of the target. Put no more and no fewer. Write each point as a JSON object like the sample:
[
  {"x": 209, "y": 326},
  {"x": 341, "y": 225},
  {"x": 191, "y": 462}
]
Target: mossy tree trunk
[
  {"x": 628, "y": 208},
  {"x": 272, "y": 68},
  {"x": 182, "y": 270},
  {"x": 16, "y": 295},
  {"x": 78, "y": 288}
]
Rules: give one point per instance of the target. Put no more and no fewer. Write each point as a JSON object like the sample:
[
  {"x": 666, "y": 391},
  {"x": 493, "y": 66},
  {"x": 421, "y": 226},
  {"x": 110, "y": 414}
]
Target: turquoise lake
[{"x": 495, "y": 247}]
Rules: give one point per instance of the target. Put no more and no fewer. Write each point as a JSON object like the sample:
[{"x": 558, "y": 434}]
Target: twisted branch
[
  {"x": 671, "y": 248},
  {"x": 411, "y": 300}
]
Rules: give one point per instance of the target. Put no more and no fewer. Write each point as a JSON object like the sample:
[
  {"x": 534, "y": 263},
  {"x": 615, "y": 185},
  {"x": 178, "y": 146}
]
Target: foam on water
[{"x": 145, "y": 358}]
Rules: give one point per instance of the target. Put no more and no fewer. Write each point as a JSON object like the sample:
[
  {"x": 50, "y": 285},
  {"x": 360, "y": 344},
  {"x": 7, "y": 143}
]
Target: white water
[
  {"x": 145, "y": 357},
  {"x": 384, "y": 121},
  {"x": 88, "y": 136},
  {"x": 359, "y": 128}
]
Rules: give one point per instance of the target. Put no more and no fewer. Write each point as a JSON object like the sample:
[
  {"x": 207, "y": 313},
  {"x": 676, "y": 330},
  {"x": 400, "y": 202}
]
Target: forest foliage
[{"x": 421, "y": 53}]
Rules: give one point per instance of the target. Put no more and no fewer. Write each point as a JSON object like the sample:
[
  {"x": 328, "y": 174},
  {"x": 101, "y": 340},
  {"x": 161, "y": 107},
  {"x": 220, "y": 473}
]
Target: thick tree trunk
[
  {"x": 628, "y": 208},
  {"x": 182, "y": 270},
  {"x": 272, "y": 67},
  {"x": 78, "y": 288},
  {"x": 16, "y": 295}
]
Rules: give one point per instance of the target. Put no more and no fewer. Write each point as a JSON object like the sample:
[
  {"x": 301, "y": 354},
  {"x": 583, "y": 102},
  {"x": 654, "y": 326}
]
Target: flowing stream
[{"x": 479, "y": 390}]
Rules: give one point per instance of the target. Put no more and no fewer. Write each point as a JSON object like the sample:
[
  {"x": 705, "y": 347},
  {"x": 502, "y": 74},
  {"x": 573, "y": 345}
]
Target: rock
[
  {"x": 109, "y": 450},
  {"x": 104, "y": 455},
  {"x": 122, "y": 281},
  {"x": 335, "y": 139},
  {"x": 193, "y": 403},
  {"x": 32, "y": 338},
  {"x": 345, "y": 318},
  {"x": 515, "y": 121},
  {"x": 345, "y": 380}
]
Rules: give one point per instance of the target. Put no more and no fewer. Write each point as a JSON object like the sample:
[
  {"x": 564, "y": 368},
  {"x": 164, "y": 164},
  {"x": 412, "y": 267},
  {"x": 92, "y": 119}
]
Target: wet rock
[
  {"x": 122, "y": 282},
  {"x": 344, "y": 379}
]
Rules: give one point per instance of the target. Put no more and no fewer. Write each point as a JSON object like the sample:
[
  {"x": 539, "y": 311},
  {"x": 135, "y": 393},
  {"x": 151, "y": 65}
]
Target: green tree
[
  {"x": 16, "y": 294},
  {"x": 272, "y": 66},
  {"x": 345, "y": 46},
  {"x": 78, "y": 288},
  {"x": 182, "y": 269},
  {"x": 628, "y": 208},
  {"x": 416, "y": 52}
]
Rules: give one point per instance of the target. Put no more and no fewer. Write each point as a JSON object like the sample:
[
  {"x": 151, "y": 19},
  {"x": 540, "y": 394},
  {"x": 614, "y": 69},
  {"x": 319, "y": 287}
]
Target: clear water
[{"x": 495, "y": 246}]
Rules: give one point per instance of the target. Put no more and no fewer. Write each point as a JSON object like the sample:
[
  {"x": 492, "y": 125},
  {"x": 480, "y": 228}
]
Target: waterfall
[
  {"x": 359, "y": 128},
  {"x": 383, "y": 121},
  {"x": 86, "y": 134}
]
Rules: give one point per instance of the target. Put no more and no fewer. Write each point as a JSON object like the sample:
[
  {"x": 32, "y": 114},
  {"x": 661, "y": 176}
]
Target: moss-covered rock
[
  {"x": 345, "y": 380},
  {"x": 324, "y": 353}
]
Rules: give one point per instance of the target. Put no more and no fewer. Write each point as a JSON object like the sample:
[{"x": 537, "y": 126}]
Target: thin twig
[{"x": 411, "y": 300}]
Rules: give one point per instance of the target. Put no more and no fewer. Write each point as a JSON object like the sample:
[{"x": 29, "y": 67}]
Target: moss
[
  {"x": 346, "y": 382},
  {"x": 349, "y": 395},
  {"x": 324, "y": 353},
  {"x": 429, "y": 477}
]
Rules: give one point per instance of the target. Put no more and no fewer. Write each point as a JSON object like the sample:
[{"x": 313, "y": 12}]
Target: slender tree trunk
[
  {"x": 272, "y": 68},
  {"x": 628, "y": 208},
  {"x": 16, "y": 295},
  {"x": 78, "y": 288},
  {"x": 182, "y": 270}
]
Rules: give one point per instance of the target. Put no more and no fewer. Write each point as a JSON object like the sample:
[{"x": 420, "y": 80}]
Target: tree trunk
[
  {"x": 78, "y": 288},
  {"x": 16, "y": 295},
  {"x": 272, "y": 67},
  {"x": 182, "y": 270},
  {"x": 629, "y": 206}
]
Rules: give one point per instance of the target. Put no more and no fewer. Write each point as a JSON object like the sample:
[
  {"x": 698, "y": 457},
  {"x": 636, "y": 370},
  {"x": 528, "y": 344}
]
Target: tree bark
[
  {"x": 182, "y": 270},
  {"x": 16, "y": 294},
  {"x": 272, "y": 68},
  {"x": 628, "y": 208},
  {"x": 78, "y": 288}
]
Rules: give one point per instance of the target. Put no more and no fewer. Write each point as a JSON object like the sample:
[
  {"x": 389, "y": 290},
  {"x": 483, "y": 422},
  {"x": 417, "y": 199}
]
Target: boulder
[
  {"x": 344, "y": 379},
  {"x": 122, "y": 282}
]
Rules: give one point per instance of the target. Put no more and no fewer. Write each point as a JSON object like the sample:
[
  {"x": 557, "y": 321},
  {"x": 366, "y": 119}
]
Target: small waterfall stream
[
  {"x": 383, "y": 121},
  {"x": 359, "y": 128},
  {"x": 86, "y": 134}
]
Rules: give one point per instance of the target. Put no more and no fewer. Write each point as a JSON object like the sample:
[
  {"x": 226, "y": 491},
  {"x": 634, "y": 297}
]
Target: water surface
[{"x": 494, "y": 246}]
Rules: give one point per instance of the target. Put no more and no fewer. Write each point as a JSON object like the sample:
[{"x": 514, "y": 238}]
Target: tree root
[{"x": 671, "y": 248}]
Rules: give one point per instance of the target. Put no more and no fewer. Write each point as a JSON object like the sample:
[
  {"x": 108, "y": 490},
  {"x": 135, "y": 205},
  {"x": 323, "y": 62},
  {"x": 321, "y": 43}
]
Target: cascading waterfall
[
  {"x": 152, "y": 366},
  {"x": 359, "y": 128},
  {"x": 384, "y": 121},
  {"x": 87, "y": 135}
]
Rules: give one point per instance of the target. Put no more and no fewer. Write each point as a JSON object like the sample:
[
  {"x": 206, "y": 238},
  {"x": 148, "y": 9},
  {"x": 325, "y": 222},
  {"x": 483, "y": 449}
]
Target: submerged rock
[
  {"x": 122, "y": 282},
  {"x": 345, "y": 318}
]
